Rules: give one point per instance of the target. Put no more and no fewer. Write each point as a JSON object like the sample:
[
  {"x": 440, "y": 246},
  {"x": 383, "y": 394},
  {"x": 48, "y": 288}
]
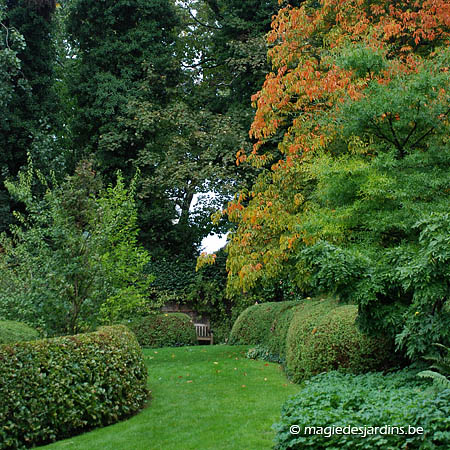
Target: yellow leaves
[{"x": 205, "y": 259}]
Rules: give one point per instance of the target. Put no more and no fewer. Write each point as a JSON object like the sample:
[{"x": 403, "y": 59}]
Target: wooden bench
[{"x": 204, "y": 333}]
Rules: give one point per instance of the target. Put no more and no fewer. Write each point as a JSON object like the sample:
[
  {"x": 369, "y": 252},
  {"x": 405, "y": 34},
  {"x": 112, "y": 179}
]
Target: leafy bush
[
  {"x": 323, "y": 336},
  {"x": 11, "y": 332},
  {"x": 75, "y": 261},
  {"x": 365, "y": 401},
  {"x": 256, "y": 325},
  {"x": 55, "y": 388},
  {"x": 164, "y": 330},
  {"x": 439, "y": 372}
]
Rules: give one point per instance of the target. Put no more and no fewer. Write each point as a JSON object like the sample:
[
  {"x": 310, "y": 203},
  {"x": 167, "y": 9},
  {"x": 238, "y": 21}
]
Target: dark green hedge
[
  {"x": 164, "y": 330},
  {"x": 323, "y": 336},
  {"x": 261, "y": 324},
  {"x": 335, "y": 401},
  {"x": 11, "y": 332},
  {"x": 55, "y": 388}
]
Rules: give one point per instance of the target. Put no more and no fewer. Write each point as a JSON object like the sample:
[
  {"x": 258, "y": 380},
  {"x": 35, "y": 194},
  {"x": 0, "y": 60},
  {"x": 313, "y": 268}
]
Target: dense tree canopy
[
  {"x": 358, "y": 202},
  {"x": 28, "y": 104}
]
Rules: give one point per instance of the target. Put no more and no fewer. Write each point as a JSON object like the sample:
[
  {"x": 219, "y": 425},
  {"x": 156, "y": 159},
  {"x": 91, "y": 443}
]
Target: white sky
[{"x": 213, "y": 242}]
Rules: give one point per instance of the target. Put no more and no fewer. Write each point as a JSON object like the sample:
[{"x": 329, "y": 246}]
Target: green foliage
[
  {"x": 378, "y": 218},
  {"x": 74, "y": 262},
  {"x": 177, "y": 281},
  {"x": 356, "y": 203},
  {"x": 440, "y": 370},
  {"x": 365, "y": 401},
  {"x": 164, "y": 330},
  {"x": 263, "y": 325},
  {"x": 28, "y": 105},
  {"x": 55, "y": 388},
  {"x": 132, "y": 37},
  {"x": 11, "y": 331},
  {"x": 323, "y": 336}
]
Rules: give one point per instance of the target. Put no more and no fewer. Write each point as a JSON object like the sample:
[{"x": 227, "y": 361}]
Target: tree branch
[{"x": 201, "y": 23}]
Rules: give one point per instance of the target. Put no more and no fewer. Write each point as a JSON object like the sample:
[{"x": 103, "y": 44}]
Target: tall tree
[
  {"x": 357, "y": 203},
  {"x": 29, "y": 107},
  {"x": 119, "y": 45}
]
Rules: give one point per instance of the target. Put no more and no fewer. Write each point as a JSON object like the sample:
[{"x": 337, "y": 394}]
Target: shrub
[
  {"x": 11, "y": 332},
  {"x": 73, "y": 261},
  {"x": 164, "y": 330},
  {"x": 365, "y": 401},
  {"x": 255, "y": 326},
  {"x": 323, "y": 336},
  {"x": 55, "y": 388}
]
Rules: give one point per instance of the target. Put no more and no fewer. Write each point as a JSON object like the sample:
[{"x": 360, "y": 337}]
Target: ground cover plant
[
  {"x": 164, "y": 330},
  {"x": 55, "y": 388},
  {"x": 366, "y": 401},
  {"x": 11, "y": 331},
  {"x": 204, "y": 397}
]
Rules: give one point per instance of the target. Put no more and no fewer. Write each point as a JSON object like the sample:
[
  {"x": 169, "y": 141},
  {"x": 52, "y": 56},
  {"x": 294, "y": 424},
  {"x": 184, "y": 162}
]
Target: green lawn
[{"x": 206, "y": 397}]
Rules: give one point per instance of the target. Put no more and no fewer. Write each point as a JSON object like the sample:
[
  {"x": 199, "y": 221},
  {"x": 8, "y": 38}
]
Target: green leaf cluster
[
  {"x": 439, "y": 372},
  {"x": 376, "y": 220},
  {"x": 393, "y": 400},
  {"x": 74, "y": 262}
]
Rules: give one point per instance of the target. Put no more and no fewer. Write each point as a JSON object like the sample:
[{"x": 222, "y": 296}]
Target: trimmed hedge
[
  {"x": 11, "y": 332},
  {"x": 56, "y": 388},
  {"x": 309, "y": 337},
  {"x": 164, "y": 330},
  {"x": 336, "y": 401},
  {"x": 323, "y": 336},
  {"x": 261, "y": 325}
]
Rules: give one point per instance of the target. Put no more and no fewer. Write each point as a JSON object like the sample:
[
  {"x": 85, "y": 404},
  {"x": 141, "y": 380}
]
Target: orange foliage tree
[{"x": 351, "y": 80}]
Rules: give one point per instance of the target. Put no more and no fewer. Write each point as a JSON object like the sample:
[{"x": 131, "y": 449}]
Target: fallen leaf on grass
[
  {"x": 189, "y": 381},
  {"x": 244, "y": 385},
  {"x": 215, "y": 362}
]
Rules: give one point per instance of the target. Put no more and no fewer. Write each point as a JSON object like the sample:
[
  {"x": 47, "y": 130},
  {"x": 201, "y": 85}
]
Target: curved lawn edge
[{"x": 205, "y": 397}]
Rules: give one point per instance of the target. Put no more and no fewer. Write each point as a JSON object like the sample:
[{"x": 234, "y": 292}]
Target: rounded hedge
[
  {"x": 164, "y": 330},
  {"x": 11, "y": 331},
  {"x": 256, "y": 325},
  {"x": 56, "y": 388},
  {"x": 323, "y": 336}
]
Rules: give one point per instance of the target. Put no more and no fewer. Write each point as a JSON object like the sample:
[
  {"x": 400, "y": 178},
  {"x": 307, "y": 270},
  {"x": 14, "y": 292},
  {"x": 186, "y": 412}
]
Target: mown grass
[{"x": 206, "y": 397}]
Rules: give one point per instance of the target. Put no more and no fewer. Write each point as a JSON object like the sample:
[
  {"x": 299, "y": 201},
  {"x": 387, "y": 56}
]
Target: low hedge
[
  {"x": 342, "y": 411},
  {"x": 323, "y": 336},
  {"x": 164, "y": 330},
  {"x": 56, "y": 388},
  {"x": 11, "y": 332},
  {"x": 260, "y": 325}
]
